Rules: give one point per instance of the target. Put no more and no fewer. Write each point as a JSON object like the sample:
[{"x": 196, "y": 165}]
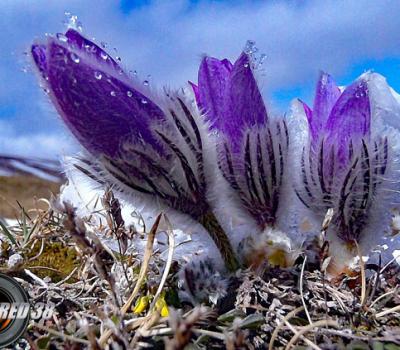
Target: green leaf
[
  {"x": 6, "y": 231},
  {"x": 231, "y": 315}
]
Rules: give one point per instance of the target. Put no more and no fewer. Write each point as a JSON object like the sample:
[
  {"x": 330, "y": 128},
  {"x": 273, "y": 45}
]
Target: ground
[
  {"x": 25, "y": 190},
  {"x": 117, "y": 300}
]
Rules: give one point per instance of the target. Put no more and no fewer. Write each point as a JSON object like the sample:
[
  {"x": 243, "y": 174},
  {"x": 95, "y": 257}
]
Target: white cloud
[
  {"x": 38, "y": 145},
  {"x": 166, "y": 39}
]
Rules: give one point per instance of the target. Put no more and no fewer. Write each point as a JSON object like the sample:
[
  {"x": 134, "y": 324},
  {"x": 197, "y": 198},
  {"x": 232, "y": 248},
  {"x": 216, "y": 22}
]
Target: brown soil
[{"x": 26, "y": 190}]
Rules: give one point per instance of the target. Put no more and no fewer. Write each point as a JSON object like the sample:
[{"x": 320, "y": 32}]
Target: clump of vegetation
[{"x": 107, "y": 299}]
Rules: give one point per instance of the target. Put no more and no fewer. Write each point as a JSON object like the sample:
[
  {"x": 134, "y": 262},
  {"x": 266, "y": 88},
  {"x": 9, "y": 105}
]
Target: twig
[
  {"x": 363, "y": 277},
  {"x": 36, "y": 278},
  {"x": 302, "y": 337},
  {"x": 142, "y": 274},
  {"x": 301, "y": 290},
  {"x": 280, "y": 326},
  {"x": 68, "y": 277},
  {"x": 304, "y": 330},
  {"x": 171, "y": 247},
  {"x": 383, "y": 296},
  {"x": 389, "y": 311},
  {"x": 215, "y": 335},
  {"x": 61, "y": 335}
]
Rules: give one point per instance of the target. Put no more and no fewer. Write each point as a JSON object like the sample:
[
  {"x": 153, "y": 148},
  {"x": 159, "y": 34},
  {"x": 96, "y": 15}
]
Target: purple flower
[
  {"x": 137, "y": 143},
  {"x": 252, "y": 148},
  {"x": 345, "y": 165}
]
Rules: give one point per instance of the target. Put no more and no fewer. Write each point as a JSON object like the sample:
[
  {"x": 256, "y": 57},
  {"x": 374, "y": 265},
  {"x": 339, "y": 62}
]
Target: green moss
[{"x": 55, "y": 256}]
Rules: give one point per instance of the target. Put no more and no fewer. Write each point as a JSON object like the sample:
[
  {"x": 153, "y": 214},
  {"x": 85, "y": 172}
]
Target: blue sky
[{"x": 167, "y": 39}]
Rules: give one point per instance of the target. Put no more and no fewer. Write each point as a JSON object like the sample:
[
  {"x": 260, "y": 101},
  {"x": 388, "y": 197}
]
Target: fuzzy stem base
[{"x": 221, "y": 240}]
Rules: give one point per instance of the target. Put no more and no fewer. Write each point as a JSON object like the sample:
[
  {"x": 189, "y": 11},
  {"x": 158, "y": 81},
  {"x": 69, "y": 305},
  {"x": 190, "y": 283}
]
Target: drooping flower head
[
  {"x": 345, "y": 164},
  {"x": 252, "y": 148},
  {"x": 137, "y": 142}
]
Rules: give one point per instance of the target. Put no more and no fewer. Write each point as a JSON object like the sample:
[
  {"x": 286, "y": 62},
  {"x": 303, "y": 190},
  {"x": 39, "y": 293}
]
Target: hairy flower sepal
[
  {"x": 252, "y": 148},
  {"x": 256, "y": 172},
  {"x": 346, "y": 166},
  {"x": 147, "y": 147}
]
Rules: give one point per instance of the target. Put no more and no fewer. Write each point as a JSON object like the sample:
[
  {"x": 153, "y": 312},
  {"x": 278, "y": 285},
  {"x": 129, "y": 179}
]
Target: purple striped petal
[
  {"x": 350, "y": 119},
  {"x": 326, "y": 95},
  {"x": 244, "y": 106},
  {"x": 307, "y": 110},
  {"x": 39, "y": 57},
  {"x": 75, "y": 39},
  {"x": 212, "y": 86},
  {"x": 100, "y": 105}
]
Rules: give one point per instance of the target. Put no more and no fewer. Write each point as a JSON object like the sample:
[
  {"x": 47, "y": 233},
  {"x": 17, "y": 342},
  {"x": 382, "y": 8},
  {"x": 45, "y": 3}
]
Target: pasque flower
[
  {"x": 137, "y": 142},
  {"x": 346, "y": 164},
  {"x": 252, "y": 147}
]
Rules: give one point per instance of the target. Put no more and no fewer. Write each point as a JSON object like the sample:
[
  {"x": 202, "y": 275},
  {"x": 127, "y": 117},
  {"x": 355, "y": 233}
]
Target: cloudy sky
[{"x": 166, "y": 39}]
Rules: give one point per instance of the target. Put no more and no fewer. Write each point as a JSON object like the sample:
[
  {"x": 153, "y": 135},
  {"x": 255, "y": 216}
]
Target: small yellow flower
[
  {"x": 141, "y": 305},
  {"x": 162, "y": 307}
]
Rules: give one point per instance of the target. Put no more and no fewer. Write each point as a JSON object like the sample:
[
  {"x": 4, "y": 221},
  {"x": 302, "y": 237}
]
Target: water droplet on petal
[
  {"x": 250, "y": 47},
  {"x": 103, "y": 45},
  {"x": 146, "y": 82},
  {"x": 113, "y": 93},
  {"x": 144, "y": 101},
  {"x": 98, "y": 75},
  {"x": 103, "y": 55},
  {"x": 79, "y": 26},
  {"x": 62, "y": 37},
  {"x": 74, "y": 57},
  {"x": 246, "y": 65},
  {"x": 118, "y": 59},
  {"x": 129, "y": 93},
  {"x": 262, "y": 58}
]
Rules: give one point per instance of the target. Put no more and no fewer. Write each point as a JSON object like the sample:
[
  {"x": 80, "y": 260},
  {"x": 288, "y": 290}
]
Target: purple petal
[
  {"x": 307, "y": 110},
  {"x": 326, "y": 95},
  {"x": 100, "y": 106},
  {"x": 350, "y": 118},
  {"x": 213, "y": 79},
  {"x": 75, "y": 39},
  {"x": 244, "y": 106},
  {"x": 39, "y": 56}
]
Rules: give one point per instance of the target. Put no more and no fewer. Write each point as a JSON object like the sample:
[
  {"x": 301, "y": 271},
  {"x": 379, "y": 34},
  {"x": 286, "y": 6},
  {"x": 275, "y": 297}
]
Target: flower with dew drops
[
  {"x": 136, "y": 142},
  {"x": 252, "y": 148},
  {"x": 347, "y": 164}
]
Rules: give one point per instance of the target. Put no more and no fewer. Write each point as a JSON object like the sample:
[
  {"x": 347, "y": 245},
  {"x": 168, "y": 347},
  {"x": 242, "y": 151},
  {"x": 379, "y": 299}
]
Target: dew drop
[
  {"x": 263, "y": 57},
  {"x": 103, "y": 45},
  {"x": 129, "y": 93},
  {"x": 250, "y": 47},
  {"x": 144, "y": 101},
  {"x": 61, "y": 37},
  {"x": 103, "y": 55},
  {"x": 118, "y": 59},
  {"x": 145, "y": 82},
  {"x": 74, "y": 57},
  {"x": 246, "y": 65},
  {"x": 98, "y": 75},
  {"x": 112, "y": 93}
]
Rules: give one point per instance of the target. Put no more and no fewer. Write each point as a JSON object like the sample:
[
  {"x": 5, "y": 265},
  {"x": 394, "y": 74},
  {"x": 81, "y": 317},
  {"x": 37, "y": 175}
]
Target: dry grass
[
  {"x": 106, "y": 299},
  {"x": 25, "y": 190}
]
